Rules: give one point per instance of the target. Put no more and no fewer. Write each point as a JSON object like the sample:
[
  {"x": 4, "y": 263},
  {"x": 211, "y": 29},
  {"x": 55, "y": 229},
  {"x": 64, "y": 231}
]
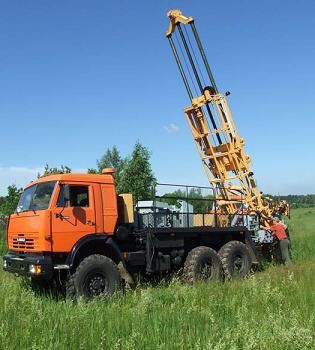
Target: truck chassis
[{"x": 158, "y": 243}]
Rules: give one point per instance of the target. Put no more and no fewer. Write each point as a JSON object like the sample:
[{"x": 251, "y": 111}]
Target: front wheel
[{"x": 96, "y": 275}]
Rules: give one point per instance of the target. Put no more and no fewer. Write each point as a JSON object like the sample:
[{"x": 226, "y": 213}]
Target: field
[{"x": 273, "y": 309}]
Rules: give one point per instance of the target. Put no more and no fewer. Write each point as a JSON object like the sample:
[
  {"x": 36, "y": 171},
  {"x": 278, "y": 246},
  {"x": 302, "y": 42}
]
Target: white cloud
[
  {"x": 21, "y": 176},
  {"x": 18, "y": 176},
  {"x": 171, "y": 128}
]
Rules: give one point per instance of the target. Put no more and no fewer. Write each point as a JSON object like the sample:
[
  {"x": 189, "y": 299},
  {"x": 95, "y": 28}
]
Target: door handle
[
  {"x": 91, "y": 223},
  {"x": 60, "y": 216}
]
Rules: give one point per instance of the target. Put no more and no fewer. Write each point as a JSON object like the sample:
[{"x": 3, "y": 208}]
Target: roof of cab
[{"x": 92, "y": 178}]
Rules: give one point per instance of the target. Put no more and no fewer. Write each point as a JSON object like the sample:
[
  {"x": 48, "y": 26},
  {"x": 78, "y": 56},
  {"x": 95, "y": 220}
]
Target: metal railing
[
  {"x": 189, "y": 207},
  {"x": 188, "y": 220}
]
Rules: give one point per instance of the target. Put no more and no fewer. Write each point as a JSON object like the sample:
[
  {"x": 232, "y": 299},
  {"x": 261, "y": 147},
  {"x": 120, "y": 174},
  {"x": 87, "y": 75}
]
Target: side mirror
[{"x": 66, "y": 193}]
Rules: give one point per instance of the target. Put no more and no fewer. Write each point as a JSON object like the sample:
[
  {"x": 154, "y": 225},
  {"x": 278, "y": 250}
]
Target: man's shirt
[{"x": 279, "y": 231}]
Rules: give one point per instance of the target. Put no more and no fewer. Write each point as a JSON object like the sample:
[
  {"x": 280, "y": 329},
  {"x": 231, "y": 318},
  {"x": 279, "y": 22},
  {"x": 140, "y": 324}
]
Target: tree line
[
  {"x": 298, "y": 201},
  {"x": 194, "y": 196},
  {"x": 134, "y": 175}
]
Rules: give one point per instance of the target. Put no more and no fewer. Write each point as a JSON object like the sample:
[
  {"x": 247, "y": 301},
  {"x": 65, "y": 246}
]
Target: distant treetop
[{"x": 52, "y": 171}]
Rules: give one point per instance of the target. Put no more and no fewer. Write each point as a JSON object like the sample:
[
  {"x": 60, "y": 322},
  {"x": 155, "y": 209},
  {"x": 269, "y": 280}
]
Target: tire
[
  {"x": 202, "y": 264},
  {"x": 96, "y": 276},
  {"x": 236, "y": 260}
]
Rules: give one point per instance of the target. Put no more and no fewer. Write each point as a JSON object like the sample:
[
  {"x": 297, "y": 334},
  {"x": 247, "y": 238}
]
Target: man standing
[{"x": 278, "y": 230}]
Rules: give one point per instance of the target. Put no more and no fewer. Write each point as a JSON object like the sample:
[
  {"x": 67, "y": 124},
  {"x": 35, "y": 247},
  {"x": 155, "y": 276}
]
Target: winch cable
[
  {"x": 188, "y": 68},
  {"x": 204, "y": 58},
  {"x": 194, "y": 54},
  {"x": 201, "y": 88},
  {"x": 180, "y": 67}
]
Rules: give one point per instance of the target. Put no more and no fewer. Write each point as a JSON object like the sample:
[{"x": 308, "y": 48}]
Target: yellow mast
[{"x": 219, "y": 145}]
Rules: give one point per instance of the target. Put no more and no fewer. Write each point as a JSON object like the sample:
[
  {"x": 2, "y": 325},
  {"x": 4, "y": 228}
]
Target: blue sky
[{"x": 80, "y": 76}]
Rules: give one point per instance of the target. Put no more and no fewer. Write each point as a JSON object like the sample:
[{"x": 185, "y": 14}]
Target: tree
[
  {"x": 136, "y": 174},
  {"x": 201, "y": 203},
  {"x": 10, "y": 201},
  {"x": 133, "y": 174},
  {"x": 172, "y": 198},
  {"x": 110, "y": 159},
  {"x": 55, "y": 170}
]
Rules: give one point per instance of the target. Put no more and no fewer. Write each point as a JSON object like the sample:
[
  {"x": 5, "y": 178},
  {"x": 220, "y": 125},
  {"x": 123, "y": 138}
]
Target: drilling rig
[
  {"x": 75, "y": 231},
  {"x": 220, "y": 147}
]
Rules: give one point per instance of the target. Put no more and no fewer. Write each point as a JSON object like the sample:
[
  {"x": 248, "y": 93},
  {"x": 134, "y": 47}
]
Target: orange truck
[{"x": 75, "y": 231}]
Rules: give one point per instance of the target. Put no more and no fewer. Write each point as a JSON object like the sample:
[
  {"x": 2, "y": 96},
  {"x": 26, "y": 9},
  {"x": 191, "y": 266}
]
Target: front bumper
[{"x": 23, "y": 265}]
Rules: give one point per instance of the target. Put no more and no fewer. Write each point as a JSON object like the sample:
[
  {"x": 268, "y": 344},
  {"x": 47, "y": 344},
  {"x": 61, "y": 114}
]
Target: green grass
[
  {"x": 273, "y": 309},
  {"x": 3, "y": 246}
]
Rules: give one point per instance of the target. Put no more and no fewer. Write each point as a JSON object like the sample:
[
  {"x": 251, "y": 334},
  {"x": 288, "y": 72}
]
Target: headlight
[
  {"x": 35, "y": 269},
  {"x": 5, "y": 264}
]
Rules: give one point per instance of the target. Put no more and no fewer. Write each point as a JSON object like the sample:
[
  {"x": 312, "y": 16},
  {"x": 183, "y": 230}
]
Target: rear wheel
[
  {"x": 97, "y": 275},
  {"x": 202, "y": 264},
  {"x": 236, "y": 259}
]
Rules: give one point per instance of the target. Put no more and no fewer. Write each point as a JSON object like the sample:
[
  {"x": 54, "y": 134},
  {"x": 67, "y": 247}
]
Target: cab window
[
  {"x": 36, "y": 197},
  {"x": 79, "y": 197}
]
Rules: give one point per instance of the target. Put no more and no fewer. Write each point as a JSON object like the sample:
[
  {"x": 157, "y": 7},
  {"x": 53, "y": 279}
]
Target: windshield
[{"x": 36, "y": 197}]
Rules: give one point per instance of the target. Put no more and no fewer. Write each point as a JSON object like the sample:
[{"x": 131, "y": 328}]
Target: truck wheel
[
  {"x": 236, "y": 259},
  {"x": 202, "y": 264},
  {"x": 97, "y": 275}
]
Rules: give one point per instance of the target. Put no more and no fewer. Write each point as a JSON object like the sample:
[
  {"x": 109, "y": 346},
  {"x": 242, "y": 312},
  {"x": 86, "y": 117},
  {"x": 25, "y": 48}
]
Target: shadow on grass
[
  {"x": 57, "y": 292},
  {"x": 44, "y": 289}
]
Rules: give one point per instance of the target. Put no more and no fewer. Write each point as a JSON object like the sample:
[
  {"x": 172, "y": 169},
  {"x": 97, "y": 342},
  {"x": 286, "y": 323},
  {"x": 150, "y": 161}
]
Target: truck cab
[{"x": 47, "y": 221}]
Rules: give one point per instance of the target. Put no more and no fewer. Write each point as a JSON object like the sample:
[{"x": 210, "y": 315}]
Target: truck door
[{"x": 73, "y": 219}]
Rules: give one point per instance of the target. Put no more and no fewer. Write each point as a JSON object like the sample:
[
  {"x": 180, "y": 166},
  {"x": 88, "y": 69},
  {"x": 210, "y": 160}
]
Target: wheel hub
[
  {"x": 206, "y": 270},
  {"x": 97, "y": 285},
  {"x": 238, "y": 263}
]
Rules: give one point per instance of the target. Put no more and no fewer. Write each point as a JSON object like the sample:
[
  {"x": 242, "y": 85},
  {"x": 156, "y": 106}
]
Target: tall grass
[
  {"x": 302, "y": 226},
  {"x": 274, "y": 309}
]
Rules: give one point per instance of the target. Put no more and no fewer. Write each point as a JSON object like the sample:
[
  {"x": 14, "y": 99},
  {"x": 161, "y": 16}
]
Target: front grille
[{"x": 22, "y": 242}]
